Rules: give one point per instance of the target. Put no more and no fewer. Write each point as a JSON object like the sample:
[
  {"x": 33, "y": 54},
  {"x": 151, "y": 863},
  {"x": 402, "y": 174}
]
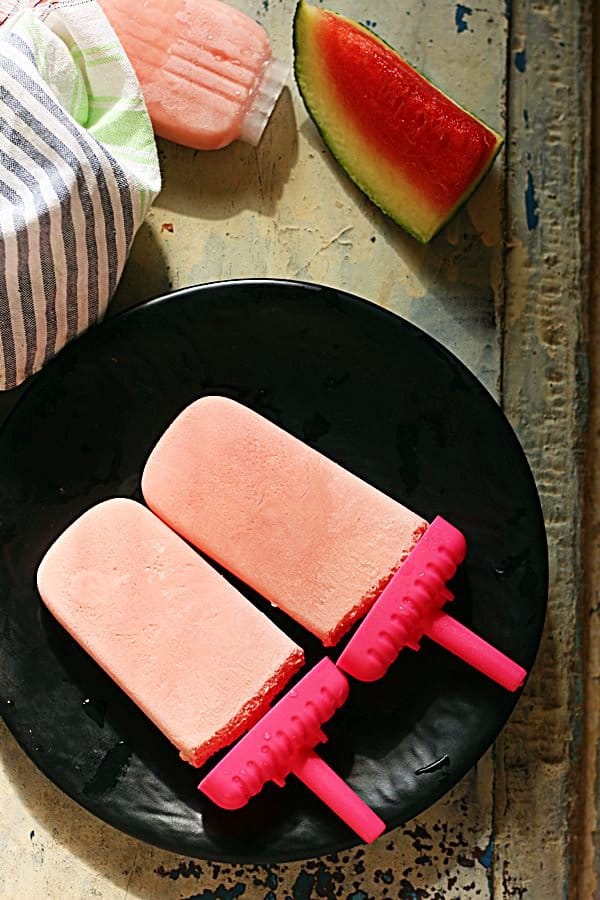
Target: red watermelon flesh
[{"x": 409, "y": 147}]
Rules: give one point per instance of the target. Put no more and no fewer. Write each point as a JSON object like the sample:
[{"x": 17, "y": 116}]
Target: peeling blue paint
[
  {"x": 526, "y": 117},
  {"x": 189, "y": 869},
  {"x": 325, "y": 884},
  {"x": 531, "y": 204},
  {"x": 507, "y": 9},
  {"x": 222, "y": 893},
  {"x": 358, "y": 895},
  {"x": 459, "y": 17},
  {"x": 488, "y": 854},
  {"x": 521, "y": 59},
  {"x": 303, "y": 885},
  {"x": 408, "y": 891}
]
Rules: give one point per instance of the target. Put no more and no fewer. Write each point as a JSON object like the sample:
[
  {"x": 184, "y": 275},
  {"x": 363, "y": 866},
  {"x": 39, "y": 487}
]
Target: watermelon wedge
[{"x": 413, "y": 151}]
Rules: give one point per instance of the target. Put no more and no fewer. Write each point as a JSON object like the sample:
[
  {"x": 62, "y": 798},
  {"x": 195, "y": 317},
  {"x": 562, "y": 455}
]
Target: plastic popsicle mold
[
  {"x": 283, "y": 743},
  {"x": 410, "y": 607}
]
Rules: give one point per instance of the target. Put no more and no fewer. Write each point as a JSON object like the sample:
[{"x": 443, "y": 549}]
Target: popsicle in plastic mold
[
  {"x": 305, "y": 533},
  {"x": 283, "y": 742},
  {"x": 410, "y": 607},
  {"x": 195, "y": 655},
  {"x": 206, "y": 70}
]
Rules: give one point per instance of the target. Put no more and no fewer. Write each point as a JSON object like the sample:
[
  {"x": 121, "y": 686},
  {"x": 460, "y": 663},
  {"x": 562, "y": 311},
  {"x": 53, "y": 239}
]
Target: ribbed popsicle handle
[
  {"x": 458, "y": 639},
  {"x": 323, "y": 781},
  {"x": 412, "y": 597}
]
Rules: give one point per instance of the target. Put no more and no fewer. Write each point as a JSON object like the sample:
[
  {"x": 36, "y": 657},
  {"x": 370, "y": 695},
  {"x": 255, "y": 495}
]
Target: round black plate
[{"x": 367, "y": 389}]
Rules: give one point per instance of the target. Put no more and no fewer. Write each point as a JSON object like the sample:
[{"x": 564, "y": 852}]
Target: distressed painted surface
[
  {"x": 55, "y": 850},
  {"x": 286, "y": 210},
  {"x": 538, "y": 821},
  {"x": 589, "y": 851}
]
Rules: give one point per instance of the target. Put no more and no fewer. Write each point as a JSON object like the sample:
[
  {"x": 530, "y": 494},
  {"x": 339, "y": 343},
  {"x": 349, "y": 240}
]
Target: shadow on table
[
  {"x": 484, "y": 205},
  {"x": 219, "y": 184},
  {"x": 146, "y": 274},
  {"x": 455, "y": 269},
  {"x": 105, "y": 850}
]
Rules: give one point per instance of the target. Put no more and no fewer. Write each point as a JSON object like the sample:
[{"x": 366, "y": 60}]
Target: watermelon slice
[{"x": 415, "y": 152}]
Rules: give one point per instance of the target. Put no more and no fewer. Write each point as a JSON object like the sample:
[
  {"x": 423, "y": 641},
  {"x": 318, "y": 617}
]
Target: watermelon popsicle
[
  {"x": 206, "y": 70},
  {"x": 311, "y": 537},
  {"x": 169, "y": 630}
]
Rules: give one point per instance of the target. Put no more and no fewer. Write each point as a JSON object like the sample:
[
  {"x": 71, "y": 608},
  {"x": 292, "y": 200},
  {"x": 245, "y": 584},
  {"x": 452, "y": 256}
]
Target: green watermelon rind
[{"x": 346, "y": 164}]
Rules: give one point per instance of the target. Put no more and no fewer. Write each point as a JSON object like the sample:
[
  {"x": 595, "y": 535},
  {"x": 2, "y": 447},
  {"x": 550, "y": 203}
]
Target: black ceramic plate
[{"x": 367, "y": 389}]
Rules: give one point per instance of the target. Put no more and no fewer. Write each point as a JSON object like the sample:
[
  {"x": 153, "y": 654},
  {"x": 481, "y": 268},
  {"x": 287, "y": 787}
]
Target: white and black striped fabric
[{"x": 72, "y": 192}]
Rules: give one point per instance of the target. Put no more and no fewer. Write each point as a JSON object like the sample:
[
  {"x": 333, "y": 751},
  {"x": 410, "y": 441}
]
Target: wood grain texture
[
  {"x": 589, "y": 850},
  {"x": 286, "y": 210},
  {"x": 538, "y": 807}
]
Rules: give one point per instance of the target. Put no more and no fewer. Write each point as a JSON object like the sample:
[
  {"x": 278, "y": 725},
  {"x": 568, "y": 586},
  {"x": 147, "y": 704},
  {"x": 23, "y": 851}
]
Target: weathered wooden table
[{"x": 505, "y": 288}]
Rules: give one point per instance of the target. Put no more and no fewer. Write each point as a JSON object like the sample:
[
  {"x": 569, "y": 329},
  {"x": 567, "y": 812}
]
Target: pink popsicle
[
  {"x": 172, "y": 633},
  {"x": 206, "y": 69},
  {"x": 305, "y": 533}
]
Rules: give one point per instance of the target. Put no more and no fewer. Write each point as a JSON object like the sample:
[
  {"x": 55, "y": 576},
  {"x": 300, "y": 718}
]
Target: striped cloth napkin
[{"x": 78, "y": 172}]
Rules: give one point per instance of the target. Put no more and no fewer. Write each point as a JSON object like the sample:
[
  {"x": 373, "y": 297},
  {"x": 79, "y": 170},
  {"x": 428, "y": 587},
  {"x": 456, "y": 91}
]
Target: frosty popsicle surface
[
  {"x": 206, "y": 70},
  {"x": 189, "y": 649},
  {"x": 311, "y": 537}
]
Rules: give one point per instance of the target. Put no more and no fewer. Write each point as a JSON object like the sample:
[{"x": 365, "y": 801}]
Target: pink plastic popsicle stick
[
  {"x": 410, "y": 607},
  {"x": 282, "y": 742},
  {"x": 416, "y": 592},
  {"x": 335, "y": 793},
  {"x": 449, "y": 633}
]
